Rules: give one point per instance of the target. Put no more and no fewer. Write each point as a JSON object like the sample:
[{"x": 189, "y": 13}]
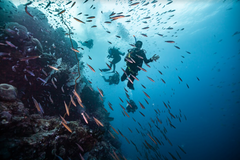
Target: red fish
[
  {"x": 150, "y": 79},
  {"x": 133, "y": 4}
]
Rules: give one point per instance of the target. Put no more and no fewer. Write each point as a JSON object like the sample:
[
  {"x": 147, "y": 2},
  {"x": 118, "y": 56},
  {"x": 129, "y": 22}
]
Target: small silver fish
[
  {"x": 4, "y": 54},
  {"x": 30, "y": 72},
  {"x": 11, "y": 45}
]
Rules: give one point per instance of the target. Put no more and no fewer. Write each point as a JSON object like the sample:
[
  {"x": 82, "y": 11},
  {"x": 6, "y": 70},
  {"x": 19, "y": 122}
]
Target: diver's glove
[{"x": 155, "y": 57}]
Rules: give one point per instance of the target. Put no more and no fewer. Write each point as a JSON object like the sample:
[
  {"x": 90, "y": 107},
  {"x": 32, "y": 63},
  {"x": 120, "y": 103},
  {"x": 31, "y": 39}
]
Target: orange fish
[
  {"x": 91, "y": 68},
  {"x": 163, "y": 80},
  {"x": 110, "y": 106},
  {"x": 66, "y": 107},
  {"x": 53, "y": 67},
  {"x": 63, "y": 119},
  {"x": 114, "y": 129},
  {"x": 126, "y": 113},
  {"x": 66, "y": 127},
  {"x": 61, "y": 12},
  {"x": 134, "y": 77},
  {"x": 91, "y": 17},
  {"x": 134, "y": 4},
  {"x": 146, "y": 94},
  {"x": 152, "y": 139},
  {"x": 100, "y": 92},
  {"x": 97, "y": 121},
  {"x": 85, "y": 119},
  {"x": 112, "y": 14},
  {"x": 75, "y": 50},
  {"x": 73, "y": 4},
  {"x": 117, "y": 17},
  {"x": 111, "y": 134},
  {"x": 78, "y": 20},
  {"x": 108, "y": 66},
  {"x": 142, "y": 69}
]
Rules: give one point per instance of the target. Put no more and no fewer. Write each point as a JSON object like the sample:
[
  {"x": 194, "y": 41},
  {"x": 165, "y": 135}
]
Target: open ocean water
[{"x": 190, "y": 96}]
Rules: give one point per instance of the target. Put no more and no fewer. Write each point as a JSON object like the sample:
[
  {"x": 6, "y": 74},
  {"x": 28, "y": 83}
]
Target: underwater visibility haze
[{"x": 120, "y": 79}]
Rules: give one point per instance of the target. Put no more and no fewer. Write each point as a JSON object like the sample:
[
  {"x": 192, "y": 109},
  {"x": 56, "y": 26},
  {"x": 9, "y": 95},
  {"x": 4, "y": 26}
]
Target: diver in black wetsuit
[
  {"x": 114, "y": 79},
  {"x": 88, "y": 44},
  {"x": 115, "y": 54},
  {"x": 134, "y": 59},
  {"x": 131, "y": 108}
]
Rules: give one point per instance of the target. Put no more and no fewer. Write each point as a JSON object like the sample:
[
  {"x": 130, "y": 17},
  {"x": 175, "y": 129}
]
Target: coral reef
[
  {"x": 33, "y": 136},
  {"x": 8, "y": 92},
  {"x": 25, "y": 134}
]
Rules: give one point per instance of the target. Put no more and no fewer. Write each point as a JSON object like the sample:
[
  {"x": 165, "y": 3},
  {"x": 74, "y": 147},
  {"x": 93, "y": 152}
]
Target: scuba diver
[
  {"x": 132, "y": 107},
  {"x": 88, "y": 44},
  {"x": 115, "y": 54},
  {"x": 134, "y": 59},
  {"x": 114, "y": 79}
]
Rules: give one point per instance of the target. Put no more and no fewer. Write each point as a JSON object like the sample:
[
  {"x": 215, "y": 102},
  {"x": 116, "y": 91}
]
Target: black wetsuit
[
  {"x": 115, "y": 54},
  {"x": 114, "y": 79},
  {"x": 137, "y": 57}
]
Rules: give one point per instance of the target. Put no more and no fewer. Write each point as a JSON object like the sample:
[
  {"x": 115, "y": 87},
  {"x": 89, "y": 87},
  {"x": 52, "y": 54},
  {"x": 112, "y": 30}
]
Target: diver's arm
[
  {"x": 145, "y": 58},
  {"x": 122, "y": 53}
]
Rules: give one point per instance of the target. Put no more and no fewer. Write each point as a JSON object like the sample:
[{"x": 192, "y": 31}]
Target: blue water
[{"x": 211, "y": 106}]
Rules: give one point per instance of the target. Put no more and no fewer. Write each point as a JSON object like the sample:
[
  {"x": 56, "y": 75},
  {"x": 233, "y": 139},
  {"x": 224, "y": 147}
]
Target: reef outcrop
[{"x": 8, "y": 92}]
